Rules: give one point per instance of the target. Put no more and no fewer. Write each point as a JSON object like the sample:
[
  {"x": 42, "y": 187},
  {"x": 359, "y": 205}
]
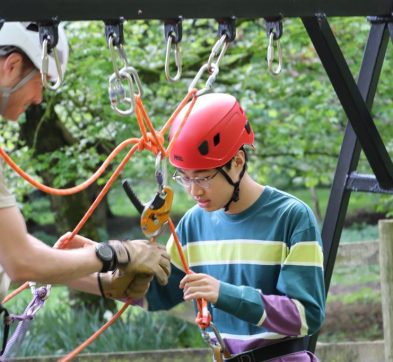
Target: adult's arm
[{"x": 24, "y": 257}]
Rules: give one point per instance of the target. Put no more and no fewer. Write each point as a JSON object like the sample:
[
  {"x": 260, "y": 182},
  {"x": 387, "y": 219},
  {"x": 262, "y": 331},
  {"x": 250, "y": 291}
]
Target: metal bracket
[
  {"x": 114, "y": 28},
  {"x": 274, "y": 25},
  {"x": 380, "y": 19},
  {"x": 49, "y": 31},
  {"x": 227, "y": 26},
  {"x": 174, "y": 28}
]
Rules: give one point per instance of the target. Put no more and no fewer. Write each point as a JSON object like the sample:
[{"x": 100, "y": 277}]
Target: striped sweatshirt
[{"x": 269, "y": 262}]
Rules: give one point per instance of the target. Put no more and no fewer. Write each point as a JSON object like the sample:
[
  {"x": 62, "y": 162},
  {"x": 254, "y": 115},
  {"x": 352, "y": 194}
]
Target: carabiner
[
  {"x": 219, "y": 48},
  {"x": 214, "y": 70},
  {"x": 178, "y": 60},
  {"x": 135, "y": 77},
  {"x": 270, "y": 55},
  {"x": 220, "y": 341},
  {"x": 161, "y": 172},
  {"x": 117, "y": 93},
  {"x": 45, "y": 67},
  {"x": 119, "y": 50}
]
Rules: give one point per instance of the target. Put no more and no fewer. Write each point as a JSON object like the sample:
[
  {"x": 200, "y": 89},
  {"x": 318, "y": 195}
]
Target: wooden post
[{"x": 386, "y": 263}]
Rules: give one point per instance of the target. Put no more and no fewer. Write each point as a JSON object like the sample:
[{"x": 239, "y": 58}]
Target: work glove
[
  {"x": 141, "y": 257},
  {"x": 120, "y": 285}
]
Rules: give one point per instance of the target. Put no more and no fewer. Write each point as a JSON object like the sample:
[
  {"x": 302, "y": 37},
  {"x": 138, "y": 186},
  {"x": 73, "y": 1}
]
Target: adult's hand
[
  {"x": 120, "y": 285},
  {"x": 142, "y": 257},
  {"x": 78, "y": 241}
]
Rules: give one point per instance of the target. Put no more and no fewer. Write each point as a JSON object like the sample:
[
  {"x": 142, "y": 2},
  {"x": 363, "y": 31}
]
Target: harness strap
[
  {"x": 6, "y": 328},
  {"x": 271, "y": 351}
]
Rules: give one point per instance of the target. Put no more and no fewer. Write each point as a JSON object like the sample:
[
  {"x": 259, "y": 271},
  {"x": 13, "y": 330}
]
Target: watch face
[{"x": 105, "y": 252}]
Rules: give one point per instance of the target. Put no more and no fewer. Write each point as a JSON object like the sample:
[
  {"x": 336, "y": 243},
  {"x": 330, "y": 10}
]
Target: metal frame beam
[
  {"x": 350, "y": 97},
  {"x": 350, "y": 153},
  {"x": 44, "y": 10}
]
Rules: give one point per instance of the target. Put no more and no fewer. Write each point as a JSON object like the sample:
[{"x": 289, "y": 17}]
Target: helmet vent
[
  {"x": 203, "y": 148},
  {"x": 247, "y": 127},
  {"x": 32, "y": 27},
  {"x": 216, "y": 139}
]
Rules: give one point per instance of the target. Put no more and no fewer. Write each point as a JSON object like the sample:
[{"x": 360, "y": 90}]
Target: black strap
[
  {"x": 272, "y": 351},
  {"x": 6, "y": 330},
  {"x": 236, "y": 185}
]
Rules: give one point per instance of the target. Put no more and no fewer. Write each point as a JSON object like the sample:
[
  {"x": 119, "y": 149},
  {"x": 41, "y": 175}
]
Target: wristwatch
[{"x": 107, "y": 255}]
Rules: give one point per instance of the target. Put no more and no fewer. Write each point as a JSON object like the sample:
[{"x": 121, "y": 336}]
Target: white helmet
[{"x": 25, "y": 37}]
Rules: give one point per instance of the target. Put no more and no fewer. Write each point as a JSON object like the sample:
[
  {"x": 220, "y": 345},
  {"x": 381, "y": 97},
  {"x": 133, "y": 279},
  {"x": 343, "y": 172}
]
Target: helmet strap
[
  {"x": 236, "y": 185},
  {"x": 5, "y": 92}
]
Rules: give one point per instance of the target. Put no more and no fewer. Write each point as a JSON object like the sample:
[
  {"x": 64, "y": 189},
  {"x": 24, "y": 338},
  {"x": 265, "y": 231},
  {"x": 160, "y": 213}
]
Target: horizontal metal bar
[
  {"x": 29, "y": 10},
  {"x": 365, "y": 183}
]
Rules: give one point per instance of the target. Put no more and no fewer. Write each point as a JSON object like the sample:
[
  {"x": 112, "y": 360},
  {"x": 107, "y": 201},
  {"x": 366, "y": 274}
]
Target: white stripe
[
  {"x": 265, "y": 335},
  {"x": 302, "y": 313},
  {"x": 235, "y": 241},
  {"x": 227, "y": 262},
  {"x": 304, "y": 263},
  {"x": 262, "y": 319}
]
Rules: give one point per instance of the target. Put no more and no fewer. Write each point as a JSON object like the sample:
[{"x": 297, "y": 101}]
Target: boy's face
[{"x": 208, "y": 188}]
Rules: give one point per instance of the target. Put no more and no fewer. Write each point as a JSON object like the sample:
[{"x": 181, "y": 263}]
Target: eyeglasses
[{"x": 203, "y": 182}]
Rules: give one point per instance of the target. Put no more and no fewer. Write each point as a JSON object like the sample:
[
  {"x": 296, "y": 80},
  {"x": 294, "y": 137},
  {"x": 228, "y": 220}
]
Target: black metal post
[
  {"x": 354, "y": 106},
  {"x": 349, "y": 155}
]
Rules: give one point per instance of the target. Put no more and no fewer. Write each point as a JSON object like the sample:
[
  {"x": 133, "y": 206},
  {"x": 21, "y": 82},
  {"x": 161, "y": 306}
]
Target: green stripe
[{"x": 305, "y": 253}]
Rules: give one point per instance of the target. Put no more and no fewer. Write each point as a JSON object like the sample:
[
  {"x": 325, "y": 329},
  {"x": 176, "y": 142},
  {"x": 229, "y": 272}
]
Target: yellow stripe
[
  {"x": 307, "y": 253},
  {"x": 230, "y": 251}
]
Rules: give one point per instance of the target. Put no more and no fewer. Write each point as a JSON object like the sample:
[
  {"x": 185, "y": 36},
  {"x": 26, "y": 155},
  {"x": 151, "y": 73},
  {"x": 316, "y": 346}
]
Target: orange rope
[
  {"x": 95, "y": 335},
  {"x": 72, "y": 190},
  {"x": 203, "y": 318},
  {"x": 15, "y": 292},
  {"x": 152, "y": 141}
]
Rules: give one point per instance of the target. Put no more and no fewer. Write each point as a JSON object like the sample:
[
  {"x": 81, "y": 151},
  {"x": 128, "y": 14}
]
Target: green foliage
[
  {"x": 54, "y": 329},
  {"x": 296, "y": 116}
]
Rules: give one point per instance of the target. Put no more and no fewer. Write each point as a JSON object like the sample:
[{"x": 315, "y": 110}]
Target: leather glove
[
  {"x": 141, "y": 257},
  {"x": 119, "y": 285}
]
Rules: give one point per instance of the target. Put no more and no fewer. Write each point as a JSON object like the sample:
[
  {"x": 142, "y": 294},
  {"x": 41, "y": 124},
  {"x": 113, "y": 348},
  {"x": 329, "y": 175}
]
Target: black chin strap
[{"x": 236, "y": 185}]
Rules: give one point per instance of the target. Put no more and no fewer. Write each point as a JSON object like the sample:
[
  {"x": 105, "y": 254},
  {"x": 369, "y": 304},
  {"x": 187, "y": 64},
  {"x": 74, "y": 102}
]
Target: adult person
[
  {"x": 256, "y": 251},
  {"x": 24, "y": 257}
]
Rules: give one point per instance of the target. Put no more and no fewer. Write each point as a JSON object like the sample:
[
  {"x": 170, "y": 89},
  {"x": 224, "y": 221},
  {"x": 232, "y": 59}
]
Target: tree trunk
[{"x": 46, "y": 136}]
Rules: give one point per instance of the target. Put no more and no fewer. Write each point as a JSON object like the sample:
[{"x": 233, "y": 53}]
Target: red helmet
[{"x": 214, "y": 131}]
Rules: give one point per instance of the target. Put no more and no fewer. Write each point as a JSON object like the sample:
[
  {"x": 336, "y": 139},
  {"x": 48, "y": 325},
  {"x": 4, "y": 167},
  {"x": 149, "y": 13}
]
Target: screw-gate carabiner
[
  {"x": 117, "y": 93},
  {"x": 178, "y": 60},
  {"x": 45, "y": 66},
  {"x": 220, "y": 341},
  {"x": 270, "y": 54}
]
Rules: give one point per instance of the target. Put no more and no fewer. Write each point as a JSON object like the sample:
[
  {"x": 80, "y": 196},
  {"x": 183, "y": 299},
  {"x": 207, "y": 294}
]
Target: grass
[{"x": 58, "y": 328}]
